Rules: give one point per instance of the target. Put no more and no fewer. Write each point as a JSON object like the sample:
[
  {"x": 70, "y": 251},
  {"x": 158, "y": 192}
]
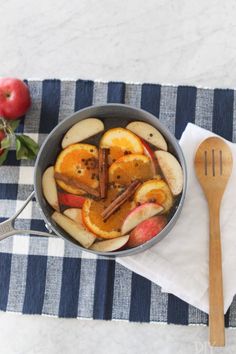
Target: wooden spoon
[{"x": 213, "y": 166}]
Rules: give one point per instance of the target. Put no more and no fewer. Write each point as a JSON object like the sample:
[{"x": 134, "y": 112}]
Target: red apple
[
  {"x": 150, "y": 153},
  {"x": 146, "y": 230},
  {"x": 2, "y": 136},
  {"x": 71, "y": 200},
  {"x": 14, "y": 98}
]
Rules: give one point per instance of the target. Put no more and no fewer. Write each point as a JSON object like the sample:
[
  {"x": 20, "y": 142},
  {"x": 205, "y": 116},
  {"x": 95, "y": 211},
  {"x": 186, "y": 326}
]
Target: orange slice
[
  {"x": 92, "y": 218},
  {"x": 81, "y": 162},
  {"x": 129, "y": 168},
  {"x": 120, "y": 142},
  {"x": 154, "y": 191}
]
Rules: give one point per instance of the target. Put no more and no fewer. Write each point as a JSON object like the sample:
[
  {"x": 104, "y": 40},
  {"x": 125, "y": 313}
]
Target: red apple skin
[
  {"x": 150, "y": 153},
  {"x": 2, "y": 136},
  {"x": 71, "y": 200},
  {"x": 146, "y": 230},
  {"x": 14, "y": 98}
]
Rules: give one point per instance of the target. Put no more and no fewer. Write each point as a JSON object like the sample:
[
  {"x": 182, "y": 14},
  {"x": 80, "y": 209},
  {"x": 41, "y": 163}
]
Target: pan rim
[{"x": 170, "y": 137}]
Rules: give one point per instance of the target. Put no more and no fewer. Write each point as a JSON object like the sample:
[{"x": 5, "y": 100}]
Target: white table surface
[{"x": 163, "y": 41}]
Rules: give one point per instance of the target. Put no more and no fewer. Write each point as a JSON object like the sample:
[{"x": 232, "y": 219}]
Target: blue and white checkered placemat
[{"x": 51, "y": 276}]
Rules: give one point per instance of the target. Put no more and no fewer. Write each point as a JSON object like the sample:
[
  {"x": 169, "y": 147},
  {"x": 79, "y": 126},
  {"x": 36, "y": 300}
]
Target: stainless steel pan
[{"x": 113, "y": 115}]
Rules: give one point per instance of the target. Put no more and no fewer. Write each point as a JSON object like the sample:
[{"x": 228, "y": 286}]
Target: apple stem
[
  {"x": 7, "y": 130},
  {"x": 3, "y": 124}
]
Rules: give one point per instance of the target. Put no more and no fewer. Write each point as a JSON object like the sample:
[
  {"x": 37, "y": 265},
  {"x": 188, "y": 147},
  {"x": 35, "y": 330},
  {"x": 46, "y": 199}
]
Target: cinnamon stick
[
  {"x": 73, "y": 182},
  {"x": 120, "y": 200},
  {"x": 103, "y": 171}
]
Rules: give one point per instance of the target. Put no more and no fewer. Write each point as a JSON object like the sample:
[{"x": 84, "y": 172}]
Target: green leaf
[
  {"x": 21, "y": 150},
  {"x": 14, "y": 124},
  {"x": 3, "y": 156},
  {"x": 26, "y": 148},
  {"x": 6, "y": 142}
]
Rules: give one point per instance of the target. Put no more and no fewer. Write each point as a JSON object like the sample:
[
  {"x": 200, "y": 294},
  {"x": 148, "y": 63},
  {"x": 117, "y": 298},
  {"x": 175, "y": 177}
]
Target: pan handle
[{"x": 7, "y": 227}]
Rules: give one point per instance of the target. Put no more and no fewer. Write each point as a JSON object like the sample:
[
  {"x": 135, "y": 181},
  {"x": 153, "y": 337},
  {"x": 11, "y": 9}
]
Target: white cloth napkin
[{"x": 179, "y": 263}]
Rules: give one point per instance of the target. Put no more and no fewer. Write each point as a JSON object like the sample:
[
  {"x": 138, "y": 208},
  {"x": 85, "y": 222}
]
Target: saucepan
[{"x": 113, "y": 115}]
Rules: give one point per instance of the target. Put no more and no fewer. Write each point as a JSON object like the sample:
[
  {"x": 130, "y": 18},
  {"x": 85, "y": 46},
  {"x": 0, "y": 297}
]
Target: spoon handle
[{"x": 216, "y": 303}]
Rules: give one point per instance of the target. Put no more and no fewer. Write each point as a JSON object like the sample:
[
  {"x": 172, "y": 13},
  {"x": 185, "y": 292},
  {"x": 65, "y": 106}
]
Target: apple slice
[
  {"x": 171, "y": 170},
  {"x": 71, "y": 200},
  {"x": 150, "y": 153},
  {"x": 75, "y": 230},
  {"x": 110, "y": 245},
  {"x": 139, "y": 214},
  {"x": 146, "y": 230},
  {"x": 148, "y": 133},
  {"x": 82, "y": 130},
  {"x": 75, "y": 214},
  {"x": 50, "y": 188}
]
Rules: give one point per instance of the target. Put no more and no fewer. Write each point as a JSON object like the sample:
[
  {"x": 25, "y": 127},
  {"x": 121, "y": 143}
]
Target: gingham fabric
[{"x": 50, "y": 276}]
